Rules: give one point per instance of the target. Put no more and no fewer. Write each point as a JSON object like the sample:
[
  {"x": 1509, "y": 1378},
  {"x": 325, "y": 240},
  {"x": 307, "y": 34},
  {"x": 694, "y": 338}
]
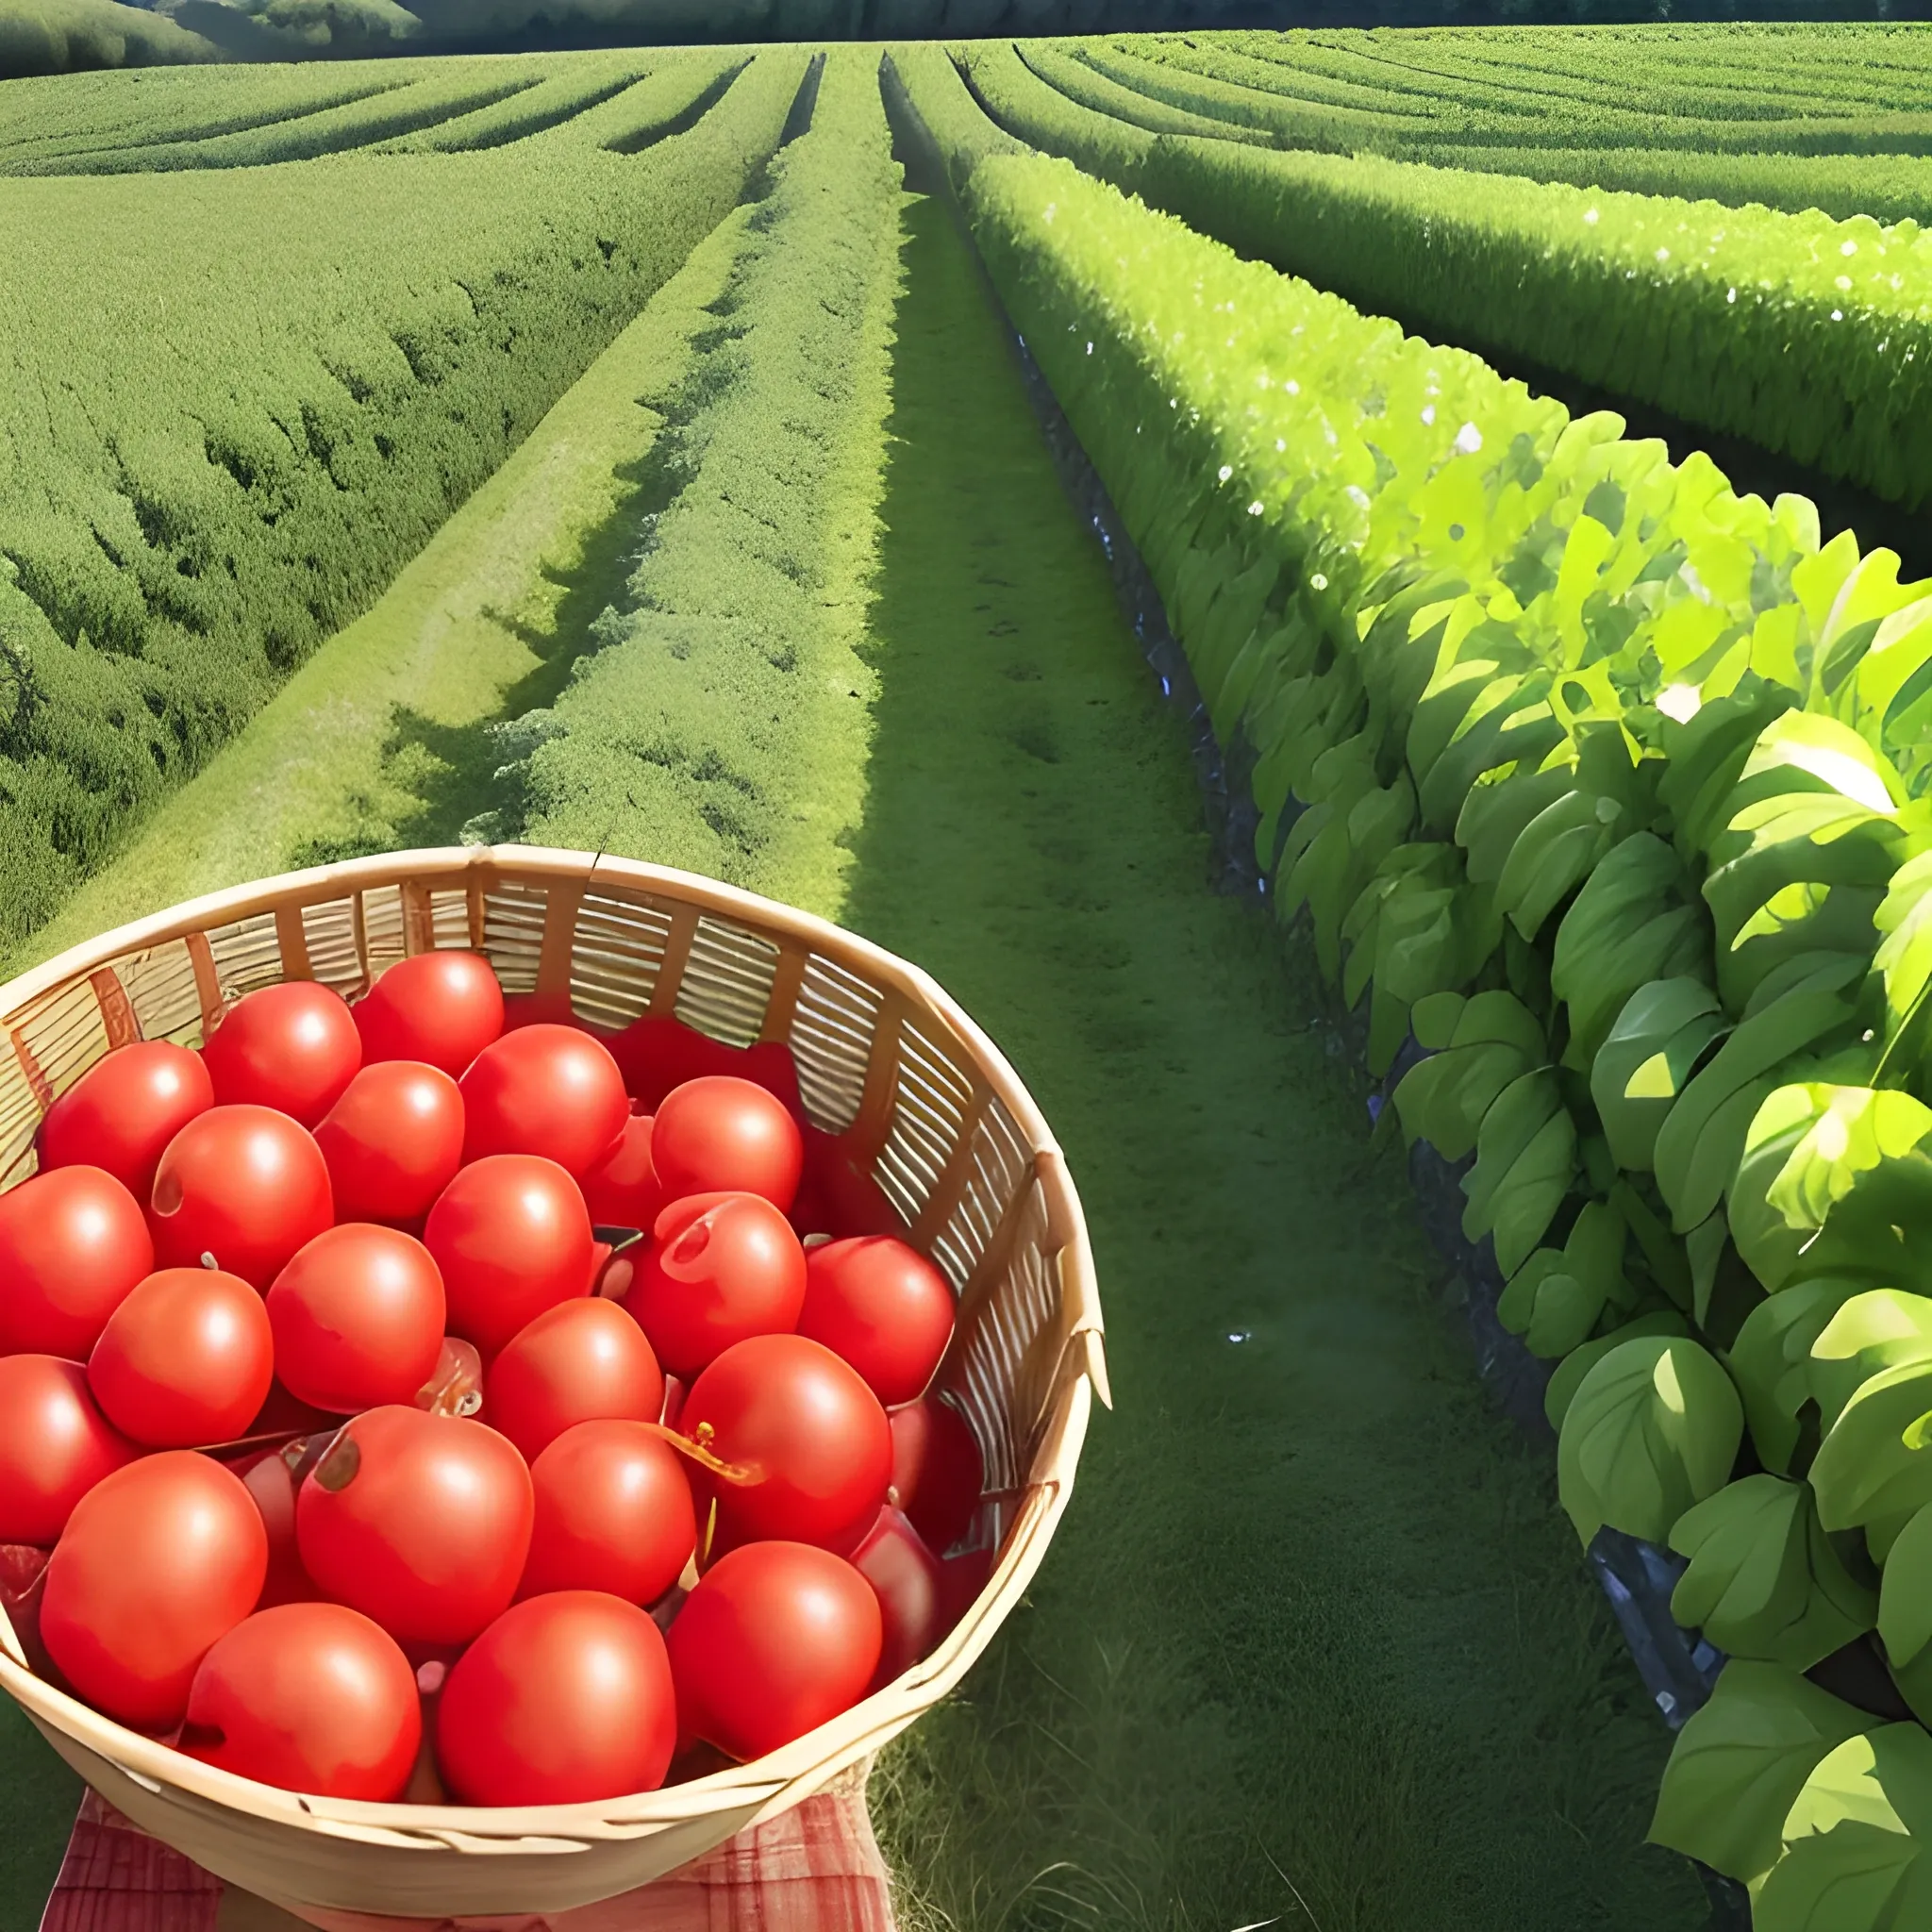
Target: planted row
[
  {"x": 241, "y": 399},
  {"x": 1581, "y": 767}
]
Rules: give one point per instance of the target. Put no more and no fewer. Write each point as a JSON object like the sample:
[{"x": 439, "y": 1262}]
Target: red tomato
[
  {"x": 776, "y": 1639},
  {"x": 269, "y": 1481},
  {"x": 580, "y": 1361},
  {"x": 512, "y": 1237},
  {"x": 54, "y": 1446},
  {"x": 720, "y": 1268},
  {"x": 125, "y": 1110},
  {"x": 621, "y": 1190},
  {"x": 393, "y": 1141},
  {"x": 442, "y": 1008},
  {"x": 937, "y": 1471},
  {"x": 292, "y": 1047},
  {"x": 718, "y": 1133},
  {"x": 187, "y": 1359},
  {"x": 158, "y": 1562},
  {"x": 244, "y": 1184},
  {"x": 312, "y": 1697},
  {"x": 73, "y": 1243},
  {"x": 812, "y": 1433},
  {"x": 420, "y": 1521},
  {"x": 906, "y": 1579},
  {"x": 564, "y": 1699},
  {"x": 544, "y": 1090},
  {"x": 357, "y": 1317},
  {"x": 615, "y": 1512},
  {"x": 883, "y": 1306}
]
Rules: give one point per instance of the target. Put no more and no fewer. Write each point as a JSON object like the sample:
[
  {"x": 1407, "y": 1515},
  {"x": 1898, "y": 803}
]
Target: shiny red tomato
[
  {"x": 73, "y": 1243},
  {"x": 440, "y": 1007},
  {"x": 244, "y": 1184},
  {"x": 720, "y": 1268},
  {"x": 906, "y": 1579},
  {"x": 615, "y": 1512},
  {"x": 158, "y": 1562},
  {"x": 125, "y": 1110},
  {"x": 270, "y": 1480},
  {"x": 512, "y": 1237},
  {"x": 54, "y": 1446},
  {"x": 937, "y": 1471},
  {"x": 393, "y": 1141},
  {"x": 621, "y": 1190},
  {"x": 718, "y": 1133},
  {"x": 292, "y": 1047},
  {"x": 312, "y": 1697},
  {"x": 357, "y": 1317},
  {"x": 584, "y": 1360},
  {"x": 882, "y": 1307},
  {"x": 811, "y": 1436},
  {"x": 565, "y": 1698},
  {"x": 186, "y": 1359},
  {"x": 777, "y": 1639},
  {"x": 544, "y": 1090},
  {"x": 420, "y": 1521}
]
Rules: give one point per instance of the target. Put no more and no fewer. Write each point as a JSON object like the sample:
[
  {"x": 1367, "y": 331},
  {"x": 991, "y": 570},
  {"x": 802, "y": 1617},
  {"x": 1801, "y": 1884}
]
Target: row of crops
[
  {"x": 1598, "y": 784},
  {"x": 235, "y": 399}
]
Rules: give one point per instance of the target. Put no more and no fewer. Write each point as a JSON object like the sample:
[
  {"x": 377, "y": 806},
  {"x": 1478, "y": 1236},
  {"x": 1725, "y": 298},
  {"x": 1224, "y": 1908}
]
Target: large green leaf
[
  {"x": 1654, "y": 1428},
  {"x": 1876, "y": 1458},
  {"x": 1764, "y": 1581},
  {"x": 1771, "y": 1358},
  {"x": 1570, "y": 1372},
  {"x": 1557, "y": 1298},
  {"x": 1857, "y": 1841},
  {"x": 1877, "y": 1329},
  {"x": 1647, "y": 1060},
  {"x": 1740, "y": 1763},
  {"x": 1904, "y": 1591}
]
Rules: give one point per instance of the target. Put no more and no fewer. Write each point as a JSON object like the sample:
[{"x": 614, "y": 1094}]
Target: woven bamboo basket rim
[{"x": 784, "y": 1776}]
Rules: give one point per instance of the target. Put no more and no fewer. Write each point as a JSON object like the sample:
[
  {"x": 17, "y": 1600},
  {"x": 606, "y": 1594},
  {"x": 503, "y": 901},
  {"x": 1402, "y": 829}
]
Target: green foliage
[
  {"x": 1857, "y": 1841},
  {"x": 1741, "y": 1763},
  {"x": 269, "y": 399},
  {"x": 1653, "y": 1429},
  {"x": 40, "y": 37}
]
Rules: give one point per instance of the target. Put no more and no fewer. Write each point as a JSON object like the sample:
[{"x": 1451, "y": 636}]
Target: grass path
[
  {"x": 380, "y": 739},
  {"x": 1314, "y": 1645}
]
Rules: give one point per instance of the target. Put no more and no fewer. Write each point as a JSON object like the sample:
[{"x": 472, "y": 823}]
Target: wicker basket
[{"x": 884, "y": 1058}]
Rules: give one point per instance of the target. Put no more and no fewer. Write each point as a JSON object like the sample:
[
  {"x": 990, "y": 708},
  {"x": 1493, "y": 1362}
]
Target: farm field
[{"x": 714, "y": 525}]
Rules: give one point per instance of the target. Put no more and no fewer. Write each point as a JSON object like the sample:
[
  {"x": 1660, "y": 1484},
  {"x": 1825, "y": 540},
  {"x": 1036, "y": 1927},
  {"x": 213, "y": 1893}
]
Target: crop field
[{"x": 656, "y": 450}]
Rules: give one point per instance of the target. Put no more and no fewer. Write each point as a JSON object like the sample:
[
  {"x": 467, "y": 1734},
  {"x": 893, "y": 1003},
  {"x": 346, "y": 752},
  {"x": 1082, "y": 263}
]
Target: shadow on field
[{"x": 1313, "y": 1646}]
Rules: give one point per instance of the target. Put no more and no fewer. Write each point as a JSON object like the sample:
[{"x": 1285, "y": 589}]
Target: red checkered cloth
[{"x": 815, "y": 1868}]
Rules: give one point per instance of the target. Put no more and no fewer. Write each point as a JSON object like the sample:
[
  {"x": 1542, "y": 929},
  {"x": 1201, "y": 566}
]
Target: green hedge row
[
  {"x": 1809, "y": 337},
  {"x": 1578, "y": 766},
  {"x": 719, "y": 722},
  {"x": 234, "y": 403}
]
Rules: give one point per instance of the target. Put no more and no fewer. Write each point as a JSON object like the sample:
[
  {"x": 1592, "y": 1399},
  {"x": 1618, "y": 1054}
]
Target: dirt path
[{"x": 1314, "y": 1646}]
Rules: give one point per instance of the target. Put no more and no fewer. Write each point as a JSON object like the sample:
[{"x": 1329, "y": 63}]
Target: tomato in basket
[
  {"x": 72, "y": 1244},
  {"x": 719, "y": 1133},
  {"x": 906, "y": 1578},
  {"x": 623, "y": 1189},
  {"x": 185, "y": 1361},
  {"x": 244, "y": 1184},
  {"x": 615, "y": 1512},
  {"x": 442, "y": 1008},
  {"x": 312, "y": 1697},
  {"x": 157, "y": 1561},
  {"x": 512, "y": 1237},
  {"x": 937, "y": 1472},
  {"x": 565, "y": 1699},
  {"x": 544, "y": 1090},
  {"x": 582, "y": 1361},
  {"x": 125, "y": 1110},
  {"x": 882, "y": 1307},
  {"x": 418, "y": 1521},
  {"x": 54, "y": 1446},
  {"x": 720, "y": 1268},
  {"x": 358, "y": 1316},
  {"x": 292, "y": 1047},
  {"x": 807, "y": 1449},
  {"x": 777, "y": 1639},
  {"x": 393, "y": 1141}
]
